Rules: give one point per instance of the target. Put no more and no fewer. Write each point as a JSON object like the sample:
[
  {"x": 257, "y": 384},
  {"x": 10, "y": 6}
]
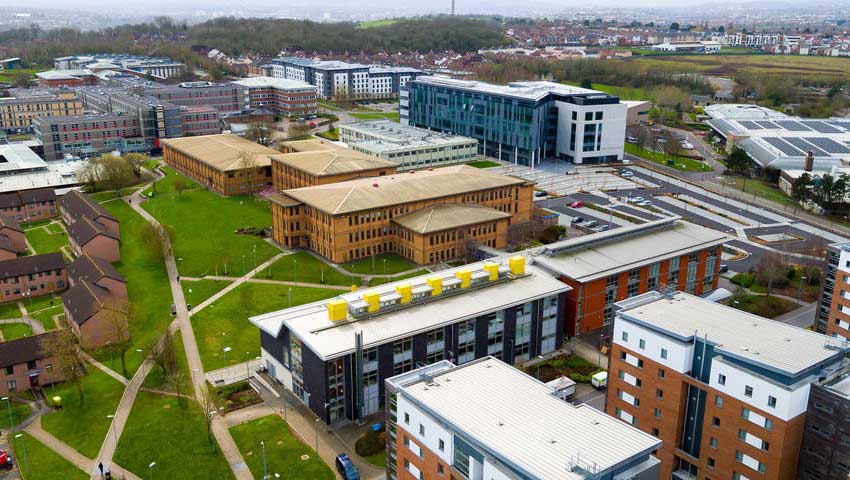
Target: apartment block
[
  {"x": 89, "y": 135},
  {"x": 335, "y": 354},
  {"x": 825, "y": 453},
  {"x": 228, "y": 164},
  {"x": 18, "y": 112},
  {"x": 833, "y": 314},
  {"x": 32, "y": 276},
  {"x": 222, "y": 97},
  {"x": 363, "y": 217},
  {"x": 523, "y": 122},
  {"x": 314, "y": 162},
  {"x": 607, "y": 267},
  {"x": 486, "y": 419},
  {"x": 408, "y": 147},
  {"x": 88, "y": 237},
  {"x": 12, "y": 238},
  {"x": 726, "y": 391},
  {"x": 26, "y": 365},
  {"x": 29, "y": 205},
  {"x": 76, "y": 205},
  {"x": 289, "y": 98}
]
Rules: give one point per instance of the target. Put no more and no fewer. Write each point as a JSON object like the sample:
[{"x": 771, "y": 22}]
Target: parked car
[
  {"x": 626, "y": 173},
  {"x": 645, "y": 203},
  {"x": 688, "y": 146},
  {"x": 540, "y": 193},
  {"x": 591, "y": 224},
  {"x": 346, "y": 467},
  {"x": 599, "y": 380},
  {"x": 632, "y": 139},
  {"x": 604, "y": 227},
  {"x": 577, "y": 219},
  {"x": 724, "y": 268},
  {"x": 313, "y": 124},
  {"x": 637, "y": 199},
  {"x": 577, "y": 204}
]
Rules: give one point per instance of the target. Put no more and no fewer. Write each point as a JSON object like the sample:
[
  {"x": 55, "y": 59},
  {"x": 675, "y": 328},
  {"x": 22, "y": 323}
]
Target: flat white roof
[
  {"x": 278, "y": 83},
  {"x": 517, "y": 419},
  {"x": 758, "y": 340},
  {"x": 329, "y": 339},
  {"x": 602, "y": 254},
  {"x": 388, "y": 136},
  {"x": 524, "y": 90}
]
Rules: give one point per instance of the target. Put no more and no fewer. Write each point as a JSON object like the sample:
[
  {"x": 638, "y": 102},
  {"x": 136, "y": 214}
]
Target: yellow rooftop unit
[
  {"x": 436, "y": 284},
  {"x": 465, "y": 277},
  {"x": 373, "y": 299},
  {"x": 337, "y": 310},
  {"x": 492, "y": 269},
  {"x": 405, "y": 291},
  {"x": 517, "y": 264}
]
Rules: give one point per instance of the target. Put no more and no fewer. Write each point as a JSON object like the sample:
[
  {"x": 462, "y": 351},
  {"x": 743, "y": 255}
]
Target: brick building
[
  {"x": 442, "y": 422},
  {"x": 76, "y": 205},
  {"x": 318, "y": 162},
  {"x": 33, "y": 275},
  {"x": 29, "y": 205},
  {"x": 228, "y": 164},
  {"x": 604, "y": 268},
  {"x": 86, "y": 236},
  {"x": 18, "y": 112},
  {"x": 825, "y": 453},
  {"x": 726, "y": 391},
  {"x": 12, "y": 239},
  {"x": 96, "y": 314},
  {"x": 97, "y": 271},
  {"x": 833, "y": 314},
  {"x": 359, "y": 218},
  {"x": 89, "y": 135},
  {"x": 26, "y": 365},
  {"x": 289, "y": 98}
]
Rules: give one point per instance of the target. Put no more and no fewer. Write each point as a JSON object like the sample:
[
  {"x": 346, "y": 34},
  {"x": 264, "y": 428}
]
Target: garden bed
[{"x": 576, "y": 368}]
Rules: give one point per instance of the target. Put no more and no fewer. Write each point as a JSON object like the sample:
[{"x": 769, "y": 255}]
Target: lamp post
[
  {"x": 800, "y": 289},
  {"x": 112, "y": 427},
  {"x": 289, "y": 292},
  {"x": 295, "y": 271},
  {"x": 9, "y": 406},
  {"x": 225, "y": 350},
  {"x": 317, "y": 435},
  {"x": 23, "y": 450},
  {"x": 150, "y": 469},
  {"x": 265, "y": 466}
]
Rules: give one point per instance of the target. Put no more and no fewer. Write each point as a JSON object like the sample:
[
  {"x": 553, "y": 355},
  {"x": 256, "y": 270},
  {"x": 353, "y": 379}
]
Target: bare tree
[
  {"x": 298, "y": 130},
  {"x": 770, "y": 271},
  {"x": 174, "y": 381},
  {"x": 206, "y": 397},
  {"x": 164, "y": 355},
  {"x": 107, "y": 173},
  {"x": 136, "y": 160},
  {"x": 181, "y": 184},
  {"x": 154, "y": 238},
  {"x": 62, "y": 346},
  {"x": 118, "y": 313},
  {"x": 261, "y": 131},
  {"x": 248, "y": 164}
]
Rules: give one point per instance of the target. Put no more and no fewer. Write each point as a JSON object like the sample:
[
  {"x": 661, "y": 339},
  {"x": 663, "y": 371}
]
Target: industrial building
[
  {"x": 408, "y": 147},
  {"x": 337, "y": 80},
  {"x": 228, "y": 164},
  {"x": 701, "y": 46},
  {"x": 335, "y": 354},
  {"x": 776, "y": 141},
  {"x": 359, "y": 218},
  {"x": 444, "y": 421},
  {"x": 522, "y": 122},
  {"x": 606, "y": 267},
  {"x": 18, "y": 111},
  {"x": 726, "y": 391}
]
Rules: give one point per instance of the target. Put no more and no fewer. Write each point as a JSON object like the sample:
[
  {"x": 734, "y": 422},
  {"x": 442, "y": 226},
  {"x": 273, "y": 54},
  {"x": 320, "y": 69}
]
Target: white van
[{"x": 599, "y": 380}]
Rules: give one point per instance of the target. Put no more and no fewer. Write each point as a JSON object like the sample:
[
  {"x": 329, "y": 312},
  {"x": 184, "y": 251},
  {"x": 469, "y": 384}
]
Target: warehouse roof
[
  {"x": 775, "y": 345},
  {"x": 397, "y": 189},
  {"x": 556, "y": 435},
  {"x": 331, "y": 161},
  {"x": 599, "y": 255},
  {"x": 330, "y": 339},
  {"x": 222, "y": 152},
  {"x": 441, "y": 217}
]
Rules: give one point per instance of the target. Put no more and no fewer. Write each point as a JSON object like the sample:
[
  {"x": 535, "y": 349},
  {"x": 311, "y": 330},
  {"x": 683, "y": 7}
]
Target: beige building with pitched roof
[
  {"x": 228, "y": 164},
  {"x": 319, "y": 162},
  {"x": 396, "y": 214}
]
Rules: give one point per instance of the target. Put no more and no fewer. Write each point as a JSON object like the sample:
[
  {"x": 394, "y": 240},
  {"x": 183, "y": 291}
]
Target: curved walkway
[{"x": 36, "y": 325}]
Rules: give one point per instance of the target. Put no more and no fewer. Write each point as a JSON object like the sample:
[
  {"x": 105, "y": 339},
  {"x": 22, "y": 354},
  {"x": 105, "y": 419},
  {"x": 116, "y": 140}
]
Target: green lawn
[
  {"x": 106, "y": 196},
  {"x": 157, "y": 380},
  {"x": 625, "y": 93},
  {"x": 205, "y": 229},
  {"x": 40, "y": 303},
  {"x": 680, "y": 163},
  {"x": 483, "y": 164},
  {"x": 44, "y": 241},
  {"x": 196, "y": 291},
  {"x": 225, "y": 322},
  {"x": 20, "y": 411},
  {"x": 172, "y": 434},
  {"x": 375, "y": 265},
  {"x": 38, "y": 462},
  {"x": 376, "y": 116},
  {"x": 380, "y": 281},
  {"x": 45, "y": 316},
  {"x": 283, "y": 451},
  {"x": 332, "y": 135},
  {"x": 379, "y": 459},
  {"x": 14, "y": 331},
  {"x": 765, "y": 306},
  {"x": 303, "y": 267},
  {"x": 760, "y": 188},
  {"x": 83, "y": 424},
  {"x": 147, "y": 287},
  {"x": 10, "y": 310}
]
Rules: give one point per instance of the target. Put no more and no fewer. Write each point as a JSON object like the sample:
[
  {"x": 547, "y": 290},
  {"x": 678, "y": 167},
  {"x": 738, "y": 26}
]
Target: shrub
[
  {"x": 745, "y": 280},
  {"x": 370, "y": 443}
]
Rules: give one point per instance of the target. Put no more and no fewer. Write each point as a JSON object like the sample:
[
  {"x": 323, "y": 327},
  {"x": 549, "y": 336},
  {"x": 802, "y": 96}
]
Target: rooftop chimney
[{"x": 810, "y": 162}]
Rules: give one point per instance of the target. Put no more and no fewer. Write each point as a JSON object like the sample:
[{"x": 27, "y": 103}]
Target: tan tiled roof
[
  {"x": 321, "y": 163},
  {"x": 441, "y": 217},
  {"x": 221, "y": 152},
  {"x": 399, "y": 188}
]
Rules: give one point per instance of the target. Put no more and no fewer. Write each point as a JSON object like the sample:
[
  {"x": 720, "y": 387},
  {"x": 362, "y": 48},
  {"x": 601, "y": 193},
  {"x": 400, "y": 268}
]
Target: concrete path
[
  {"x": 248, "y": 414},
  {"x": 36, "y": 325},
  {"x": 219, "y": 428},
  {"x": 233, "y": 373},
  {"x": 267, "y": 281},
  {"x": 104, "y": 368},
  {"x": 224, "y": 291}
]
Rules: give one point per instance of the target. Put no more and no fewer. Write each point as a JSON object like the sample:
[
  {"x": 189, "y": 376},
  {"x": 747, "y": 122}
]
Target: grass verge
[
  {"x": 39, "y": 462},
  {"x": 388, "y": 264},
  {"x": 303, "y": 267}
]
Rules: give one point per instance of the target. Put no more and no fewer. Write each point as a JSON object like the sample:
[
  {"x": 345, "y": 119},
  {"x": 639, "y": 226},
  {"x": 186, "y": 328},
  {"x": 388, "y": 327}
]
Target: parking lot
[{"x": 559, "y": 182}]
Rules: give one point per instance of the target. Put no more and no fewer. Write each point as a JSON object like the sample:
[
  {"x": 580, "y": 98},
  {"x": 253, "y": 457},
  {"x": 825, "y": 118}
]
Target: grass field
[
  {"x": 19, "y": 412},
  {"x": 38, "y": 462},
  {"x": 766, "y": 306},
  {"x": 388, "y": 264},
  {"x": 205, "y": 227},
  {"x": 196, "y": 291},
  {"x": 110, "y": 195},
  {"x": 83, "y": 424},
  {"x": 376, "y": 116},
  {"x": 47, "y": 239},
  {"x": 225, "y": 322},
  {"x": 483, "y": 164},
  {"x": 283, "y": 451},
  {"x": 10, "y": 310},
  {"x": 760, "y": 188},
  {"x": 680, "y": 163},
  {"x": 10, "y": 75},
  {"x": 45, "y": 316},
  {"x": 147, "y": 287},
  {"x": 303, "y": 267},
  {"x": 810, "y": 67},
  {"x": 172, "y": 434},
  {"x": 332, "y": 135},
  {"x": 14, "y": 331},
  {"x": 380, "y": 281},
  {"x": 157, "y": 380},
  {"x": 625, "y": 93}
]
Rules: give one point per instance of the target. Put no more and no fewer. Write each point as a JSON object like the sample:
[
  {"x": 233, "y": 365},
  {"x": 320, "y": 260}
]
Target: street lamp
[
  {"x": 800, "y": 289},
  {"x": 539, "y": 361},
  {"x": 225, "y": 350},
  {"x": 265, "y": 466},
  {"x": 317, "y": 435},
  {"x": 150, "y": 469},
  {"x": 9, "y": 405},
  {"x": 289, "y": 292},
  {"x": 23, "y": 450},
  {"x": 112, "y": 426}
]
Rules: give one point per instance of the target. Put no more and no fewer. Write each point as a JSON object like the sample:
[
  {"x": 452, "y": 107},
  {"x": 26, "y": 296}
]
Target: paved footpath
[
  {"x": 219, "y": 428},
  {"x": 268, "y": 281},
  {"x": 224, "y": 291}
]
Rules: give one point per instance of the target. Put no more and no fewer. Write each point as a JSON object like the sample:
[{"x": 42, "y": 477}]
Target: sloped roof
[
  {"x": 10, "y": 222},
  {"x": 441, "y": 217},
  {"x": 222, "y": 152},
  {"x": 322, "y": 163},
  {"x": 31, "y": 264},
  {"x": 84, "y": 229},
  {"x": 23, "y": 350},
  {"x": 92, "y": 269},
  {"x": 84, "y": 300},
  {"x": 79, "y": 205},
  {"x": 369, "y": 193}
]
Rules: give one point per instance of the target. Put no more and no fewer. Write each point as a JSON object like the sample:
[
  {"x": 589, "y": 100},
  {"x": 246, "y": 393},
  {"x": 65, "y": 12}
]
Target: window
[
  {"x": 657, "y": 412},
  {"x": 625, "y": 336},
  {"x": 421, "y": 429},
  {"x": 711, "y": 463},
  {"x": 715, "y": 422},
  {"x": 654, "y": 432},
  {"x": 442, "y": 445},
  {"x": 440, "y": 470},
  {"x": 748, "y": 391},
  {"x": 712, "y": 442},
  {"x": 771, "y": 401},
  {"x": 642, "y": 344},
  {"x": 661, "y": 373},
  {"x": 10, "y": 370},
  {"x": 407, "y": 418},
  {"x": 664, "y": 353},
  {"x": 721, "y": 379},
  {"x": 718, "y": 400},
  {"x": 12, "y": 385}
]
